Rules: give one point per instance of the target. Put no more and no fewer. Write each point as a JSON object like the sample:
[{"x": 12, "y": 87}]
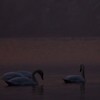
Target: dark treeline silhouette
[{"x": 47, "y": 18}]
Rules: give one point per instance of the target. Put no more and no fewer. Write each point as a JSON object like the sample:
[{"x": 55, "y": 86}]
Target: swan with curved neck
[
  {"x": 21, "y": 79},
  {"x": 76, "y": 78}
]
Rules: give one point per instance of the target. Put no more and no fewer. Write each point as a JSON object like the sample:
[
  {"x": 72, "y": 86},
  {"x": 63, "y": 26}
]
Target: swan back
[
  {"x": 20, "y": 81},
  {"x": 25, "y": 73},
  {"x": 10, "y": 75}
]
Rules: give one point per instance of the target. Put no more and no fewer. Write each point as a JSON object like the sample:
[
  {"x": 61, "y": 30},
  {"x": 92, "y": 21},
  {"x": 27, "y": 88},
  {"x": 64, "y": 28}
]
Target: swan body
[
  {"x": 21, "y": 81},
  {"x": 76, "y": 78},
  {"x": 22, "y": 78},
  {"x": 73, "y": 79}
]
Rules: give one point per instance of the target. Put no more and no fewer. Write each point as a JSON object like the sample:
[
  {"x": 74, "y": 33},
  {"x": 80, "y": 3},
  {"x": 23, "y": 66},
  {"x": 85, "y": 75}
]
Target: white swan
[
  {"x": 76, "y": 78},
  {"x": 21, "y": 79}
]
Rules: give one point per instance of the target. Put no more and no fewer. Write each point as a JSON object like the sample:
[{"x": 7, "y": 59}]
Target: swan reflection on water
[
  {"x": 82, "y": 91},
  {"x": 39, "y": 90},
  {"x": 78, "y": 89}
]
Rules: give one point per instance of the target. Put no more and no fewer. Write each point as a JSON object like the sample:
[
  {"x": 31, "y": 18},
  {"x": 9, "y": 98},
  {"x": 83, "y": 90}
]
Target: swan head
[
  {"x": 81, "y": 67},
  {"x": 40, "y": 72}
]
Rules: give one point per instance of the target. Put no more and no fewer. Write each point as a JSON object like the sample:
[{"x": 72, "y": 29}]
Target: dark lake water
[{"x": 57, "y": 57}]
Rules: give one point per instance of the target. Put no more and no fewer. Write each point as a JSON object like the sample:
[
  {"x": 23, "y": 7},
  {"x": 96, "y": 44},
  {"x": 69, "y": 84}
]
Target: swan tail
[
  {"x": 9, "y": 83},
  {"x": 67, "y": 81}
]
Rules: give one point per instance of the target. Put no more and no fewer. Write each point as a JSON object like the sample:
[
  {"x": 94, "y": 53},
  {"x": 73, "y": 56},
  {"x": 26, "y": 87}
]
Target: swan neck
[
  {"x": 82, "y": 68},
  {"x": 83, "y": 73},
  {"x": 33, "y": 75},
  {"x": 34, "y": 78}
]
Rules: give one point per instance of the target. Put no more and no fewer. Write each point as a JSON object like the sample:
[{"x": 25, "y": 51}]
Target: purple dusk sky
[{"x": 39, "y": 18}]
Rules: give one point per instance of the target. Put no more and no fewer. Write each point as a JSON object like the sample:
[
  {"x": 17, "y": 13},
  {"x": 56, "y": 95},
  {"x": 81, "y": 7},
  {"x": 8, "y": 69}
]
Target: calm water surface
[{"x": 57, "y": 58}]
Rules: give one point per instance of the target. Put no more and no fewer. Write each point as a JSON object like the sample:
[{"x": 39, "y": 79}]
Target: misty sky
[{"x": 49, "y": 18}]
